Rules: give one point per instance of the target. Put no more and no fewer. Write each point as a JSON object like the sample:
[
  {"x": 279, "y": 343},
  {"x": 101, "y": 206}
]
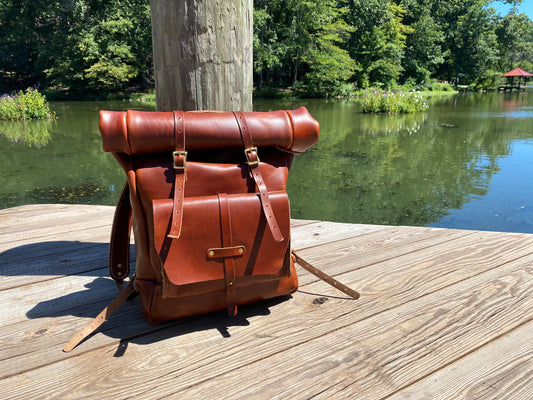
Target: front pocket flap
[{"x": 186, "y": 260}]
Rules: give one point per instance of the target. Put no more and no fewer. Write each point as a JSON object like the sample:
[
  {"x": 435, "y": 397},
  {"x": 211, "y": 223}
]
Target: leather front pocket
[{"x": 194, "y": 262}]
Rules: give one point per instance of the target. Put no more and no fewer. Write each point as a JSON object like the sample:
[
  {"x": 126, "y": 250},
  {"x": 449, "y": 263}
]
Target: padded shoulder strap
[{"x": 119, "y": 245}]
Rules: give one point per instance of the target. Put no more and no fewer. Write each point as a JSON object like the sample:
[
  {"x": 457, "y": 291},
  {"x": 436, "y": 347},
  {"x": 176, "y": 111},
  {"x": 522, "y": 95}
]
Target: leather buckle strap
[
  {"x": 255, "y": 170},
  {"x": 179, "y": 157},
  {"x": 252, "y": 158}
]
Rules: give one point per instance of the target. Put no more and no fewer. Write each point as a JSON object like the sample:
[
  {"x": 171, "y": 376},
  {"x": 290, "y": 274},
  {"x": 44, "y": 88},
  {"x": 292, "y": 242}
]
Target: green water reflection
[
  {"x": 69, "y": 167},
  {"x": 443, "y": 167},
  {"x": 34, "y": 133},
  {"x": 417, "y": 169}
]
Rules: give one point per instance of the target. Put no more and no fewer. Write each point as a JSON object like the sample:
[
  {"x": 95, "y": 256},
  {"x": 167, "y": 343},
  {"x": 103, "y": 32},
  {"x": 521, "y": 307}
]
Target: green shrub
[
  {"x": 440, "y": 87},
  {"x": 379, "y": 101},
  {"x": 24, "y": 106}
]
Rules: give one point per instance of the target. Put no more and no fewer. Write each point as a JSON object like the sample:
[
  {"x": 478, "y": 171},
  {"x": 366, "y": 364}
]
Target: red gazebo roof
[{"x": 517, "y": 72}]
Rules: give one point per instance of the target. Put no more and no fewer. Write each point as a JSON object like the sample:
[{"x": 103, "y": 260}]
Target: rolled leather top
[{"x": 138, "y": 132}]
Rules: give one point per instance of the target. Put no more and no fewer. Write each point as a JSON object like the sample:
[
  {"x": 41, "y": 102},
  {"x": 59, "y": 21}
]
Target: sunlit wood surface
[{"x": 443, "y": 314}]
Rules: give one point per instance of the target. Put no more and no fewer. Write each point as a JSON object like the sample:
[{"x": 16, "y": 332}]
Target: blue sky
[{"x": 526, "y": 7}]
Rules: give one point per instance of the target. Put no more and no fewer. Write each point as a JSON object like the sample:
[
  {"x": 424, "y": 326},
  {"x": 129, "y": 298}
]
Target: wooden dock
[{"x": 443, "y": 314}]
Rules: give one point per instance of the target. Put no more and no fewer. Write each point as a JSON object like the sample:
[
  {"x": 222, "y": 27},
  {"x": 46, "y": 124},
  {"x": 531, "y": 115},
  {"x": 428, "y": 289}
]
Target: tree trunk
[{"x": 203, "y": 54}]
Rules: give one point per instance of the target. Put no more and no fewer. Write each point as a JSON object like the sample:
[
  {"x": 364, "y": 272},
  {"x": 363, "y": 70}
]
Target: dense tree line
[
  {"x": 321, "y": 46},
  {"x": 82, "y": 45}
]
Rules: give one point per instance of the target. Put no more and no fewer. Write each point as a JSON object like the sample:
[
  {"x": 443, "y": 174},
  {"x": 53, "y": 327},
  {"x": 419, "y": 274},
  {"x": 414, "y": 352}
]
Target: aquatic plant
[
  {"x": 24, "y": 105},
  {"x": 392, "y": 102}
]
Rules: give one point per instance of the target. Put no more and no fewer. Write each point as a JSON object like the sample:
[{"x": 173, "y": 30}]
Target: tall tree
[
  {"x": 267, "y": 47},
  {"x": 515, "y": 39},
  {"x": 83, "y": 45},
  {"x": 107, "y": 46},
  {"x": 303, "y": 41},
  {"x": 423, "y": 51},
  {"x": 470, "y": 40},
  {"x": 378, "y": 41},
  {"x": 24, "y": 27}
]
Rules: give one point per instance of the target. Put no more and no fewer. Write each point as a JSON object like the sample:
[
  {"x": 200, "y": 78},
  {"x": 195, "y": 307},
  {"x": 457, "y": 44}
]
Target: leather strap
[
  {"x": 325, "y": 277},
  {"x": 229, "y": 264},
  {"x": 255, "y": 170},
  {"x": 180, "y": 164},
  {"x": 100, "y": 318},
  {"x": 119, "y": 245}
]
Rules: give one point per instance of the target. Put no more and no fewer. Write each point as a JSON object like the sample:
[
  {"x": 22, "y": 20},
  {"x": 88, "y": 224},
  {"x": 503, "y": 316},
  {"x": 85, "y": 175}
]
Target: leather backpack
[{"x": 206, "y": 198}]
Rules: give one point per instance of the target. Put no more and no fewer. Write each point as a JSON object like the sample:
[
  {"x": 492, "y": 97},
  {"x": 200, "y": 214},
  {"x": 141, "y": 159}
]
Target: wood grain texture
[
  {"x": 442, "y": 314},
  {"x": 500, "y": 370},
  {"x": 202, "y": 53}
]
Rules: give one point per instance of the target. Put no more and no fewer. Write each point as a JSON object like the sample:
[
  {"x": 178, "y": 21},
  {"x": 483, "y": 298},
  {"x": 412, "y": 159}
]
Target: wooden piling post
[{"x": 202, "y": 53}]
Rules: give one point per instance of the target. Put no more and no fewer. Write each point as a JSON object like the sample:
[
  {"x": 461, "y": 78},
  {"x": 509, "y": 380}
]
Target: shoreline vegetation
[
  {"x": 312, "y": 49},
  {"x": 391, "y": 102},
  {"x": 24, "y": 105},
  {"x": 32, "y": 104}
]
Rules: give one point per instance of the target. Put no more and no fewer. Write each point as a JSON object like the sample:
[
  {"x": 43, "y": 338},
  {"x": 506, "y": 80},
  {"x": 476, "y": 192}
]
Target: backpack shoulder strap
[
  {"x": 325, "y": 277},
  {"x": 101, "y": 318},
  {"x": 119, "y": 266},
  {"x": 119, "y": 245}
]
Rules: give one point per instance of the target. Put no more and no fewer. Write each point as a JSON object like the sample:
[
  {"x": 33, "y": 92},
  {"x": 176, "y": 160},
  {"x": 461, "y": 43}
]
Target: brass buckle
[
  {"x": 247, "y": 154},
  {"x": 179, "y": 153}
]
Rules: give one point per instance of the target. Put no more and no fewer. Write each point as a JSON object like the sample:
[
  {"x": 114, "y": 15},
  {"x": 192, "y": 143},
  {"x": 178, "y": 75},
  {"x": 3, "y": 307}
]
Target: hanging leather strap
[
  {"x": 228, "y": 252},
  {"x": 325, "y": 277},
  {"x": 229, "y": 264},
  {"x": 119, "y": 245},
  {"x": 100, "y": 318},
  {"x": 180, "y": 167},
  {"x": 255, "y": 170}
]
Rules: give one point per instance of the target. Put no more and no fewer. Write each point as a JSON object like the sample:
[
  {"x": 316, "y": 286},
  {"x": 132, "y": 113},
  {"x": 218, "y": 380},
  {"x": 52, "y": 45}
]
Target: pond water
[{"x": 465, "y": 163}]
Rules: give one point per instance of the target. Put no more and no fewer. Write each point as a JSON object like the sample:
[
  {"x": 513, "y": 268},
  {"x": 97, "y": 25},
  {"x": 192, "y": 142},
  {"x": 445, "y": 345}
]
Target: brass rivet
[
  {"x": 241, "y": 250},
  {"x": 211, "y": 253},
  {"x": 230, "y": 283}
]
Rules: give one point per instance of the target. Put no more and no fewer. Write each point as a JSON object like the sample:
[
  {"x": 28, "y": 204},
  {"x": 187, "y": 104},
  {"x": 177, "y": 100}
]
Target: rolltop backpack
[{"x": 206, "y": 200}]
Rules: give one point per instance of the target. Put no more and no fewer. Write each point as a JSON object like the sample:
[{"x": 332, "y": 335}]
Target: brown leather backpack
[{"x": 206, "y": 197}]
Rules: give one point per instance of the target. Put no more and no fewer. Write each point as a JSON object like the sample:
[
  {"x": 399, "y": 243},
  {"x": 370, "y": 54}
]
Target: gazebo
[{"x": 521, "y": 76}]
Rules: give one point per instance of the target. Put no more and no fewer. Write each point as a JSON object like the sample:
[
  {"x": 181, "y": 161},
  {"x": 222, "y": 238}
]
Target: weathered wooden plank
[
  {"x": 378, "y": 289},
  {"x": 429, "y": 272},
  {"x": 43, "y": 261},
  {"x": 301, "y": 222},
  {"x": 424, "y": 249},
  {"x": 502, "y": 369},
  {"x": 23, "y": 218},
  {"x": 380, "y": 354},
  {"x": 35, "y": 232},
  {"x": 27, "y": 257},
  {"x": 325, "y": 232},
  {"x": 18, "y": 304},
  {"x": 433, "y": 302},
  {"x": 34, "y": 343},
  {"x": 387, "y": 351}
]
